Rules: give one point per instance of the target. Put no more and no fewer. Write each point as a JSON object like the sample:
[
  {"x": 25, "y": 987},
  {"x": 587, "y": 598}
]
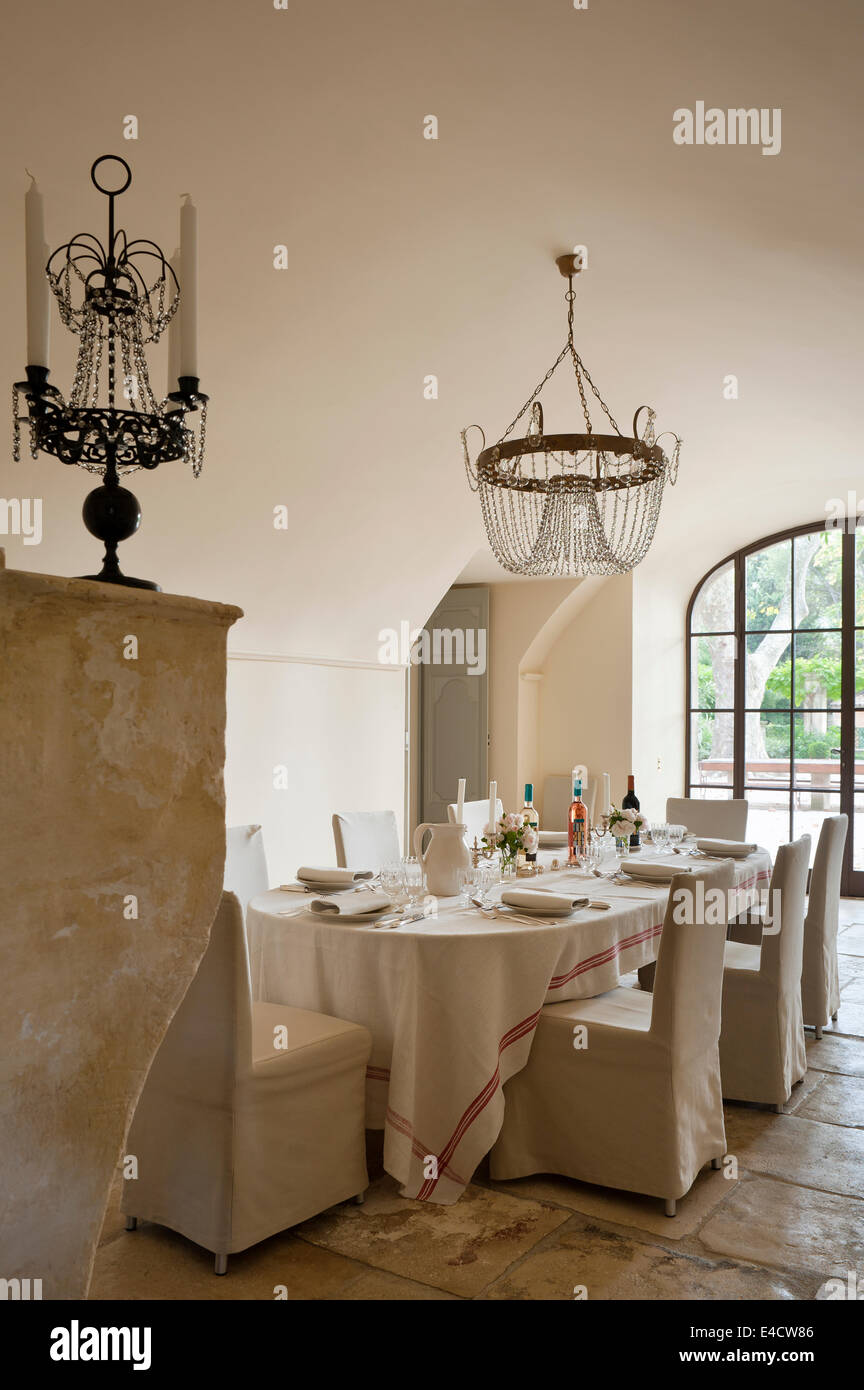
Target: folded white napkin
[
  {"x": 644, "y": 868},
  {"x": 553, "y": 839},
  {"x": 735, "y": 849},
  {"x": 333, "y": 875},
  {"x": 350, "y": 904},
  {"x": 541, "y": 901}
]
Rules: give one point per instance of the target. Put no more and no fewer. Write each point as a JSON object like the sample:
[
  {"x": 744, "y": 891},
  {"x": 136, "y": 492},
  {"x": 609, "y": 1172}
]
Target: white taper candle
[
  {"x": 460, "y": 801},
  {"x": 493, "y": 804},
  {"x": 174, "y": 330},
  {"x": 189, "y": 288},
  {"x": 37, "y": 282},
  {"x": 607, "y": 794}
]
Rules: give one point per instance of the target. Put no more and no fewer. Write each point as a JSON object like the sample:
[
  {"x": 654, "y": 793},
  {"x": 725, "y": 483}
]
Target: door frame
[{"x": 852, "y": 880}]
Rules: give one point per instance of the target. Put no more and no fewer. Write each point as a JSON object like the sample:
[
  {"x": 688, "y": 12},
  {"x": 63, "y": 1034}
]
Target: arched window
[{"x": 775, "y": 686}]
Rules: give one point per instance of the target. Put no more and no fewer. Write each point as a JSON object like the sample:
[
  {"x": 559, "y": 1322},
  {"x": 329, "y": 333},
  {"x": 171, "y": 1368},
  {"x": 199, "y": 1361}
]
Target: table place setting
[{"x": 327, "y": 880}]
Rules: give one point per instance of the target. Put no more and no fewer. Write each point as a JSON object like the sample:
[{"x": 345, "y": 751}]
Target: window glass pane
[
  {"x": 858, "y": 833},
  {"x": 809, "y": 810},
  {"x": 710, "y": 793},
  {"x": 712, "y": 673},
  {"x": 768, "y": 819},
  {"x": 859, "y": 670},
  {"x": 818, "y": 579},
  {"x": 768, "y": 670},
  {"x": 817, "y": 750},
  {"x": 859, "y": 576},
  {"x": 711, "y": 749},
  {"x": 767, "y": 587},
  {"x": 818, "y": 657},
  {"x": 714, "y": 609},
  {"x": 767, "y": 749}
]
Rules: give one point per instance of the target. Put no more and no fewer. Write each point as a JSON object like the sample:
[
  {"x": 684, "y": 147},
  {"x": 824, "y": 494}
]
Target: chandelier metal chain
[{"x": 571, "y": 503}]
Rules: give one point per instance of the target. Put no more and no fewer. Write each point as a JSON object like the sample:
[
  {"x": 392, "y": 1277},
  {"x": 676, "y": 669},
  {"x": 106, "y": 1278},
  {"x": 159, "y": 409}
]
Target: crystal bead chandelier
[
  {"x": 571, "y": 503},
  {"x": 116, "y": 298}
]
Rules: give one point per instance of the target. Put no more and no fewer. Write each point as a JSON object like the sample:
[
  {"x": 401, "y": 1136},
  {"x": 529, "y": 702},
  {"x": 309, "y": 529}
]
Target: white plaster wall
[{"x": 339, "y": 730}]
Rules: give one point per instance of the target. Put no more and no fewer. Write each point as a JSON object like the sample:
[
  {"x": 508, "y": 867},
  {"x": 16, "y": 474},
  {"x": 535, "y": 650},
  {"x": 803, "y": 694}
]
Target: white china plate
[
  {"x": 337, "y": 917},
  {"x": 323, "y": 889},
  {"x": 537, "y": 911}
]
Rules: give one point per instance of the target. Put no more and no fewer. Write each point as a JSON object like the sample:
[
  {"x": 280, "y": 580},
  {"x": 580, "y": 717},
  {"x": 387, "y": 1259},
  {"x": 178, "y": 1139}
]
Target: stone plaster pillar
[{"x": 112, "y": 844}]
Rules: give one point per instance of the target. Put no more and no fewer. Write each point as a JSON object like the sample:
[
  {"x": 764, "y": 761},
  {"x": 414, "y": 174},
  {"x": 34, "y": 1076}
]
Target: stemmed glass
[
  {"x": 414, "y": 880},
  {"x": 660, "y": 836},
  {"x": 676, "y": 835},
  {"x": 393, "y": 883}
]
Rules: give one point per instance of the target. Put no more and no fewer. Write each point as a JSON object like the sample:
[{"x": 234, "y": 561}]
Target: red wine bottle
[{"x": 631, "y": 803}]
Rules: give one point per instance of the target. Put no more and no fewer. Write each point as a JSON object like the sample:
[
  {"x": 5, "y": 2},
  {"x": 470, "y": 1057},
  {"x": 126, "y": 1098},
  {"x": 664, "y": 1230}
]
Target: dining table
[{"x": 452, "y": 1000}]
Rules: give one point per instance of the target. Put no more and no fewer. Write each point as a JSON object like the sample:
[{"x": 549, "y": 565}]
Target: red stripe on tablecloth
[
  {"x": 404, "y": 1127},
  {"x": 479, "y": 1103},
  {"x": 607, "y": 954}
]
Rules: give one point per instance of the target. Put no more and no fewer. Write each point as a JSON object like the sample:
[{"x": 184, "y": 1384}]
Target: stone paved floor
[{"x": 793, "y": 1219}]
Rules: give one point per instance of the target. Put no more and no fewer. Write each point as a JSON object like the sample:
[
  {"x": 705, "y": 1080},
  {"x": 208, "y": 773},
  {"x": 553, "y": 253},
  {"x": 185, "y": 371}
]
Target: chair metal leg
[
  {"x": 818, "y": 1031},
  {"x": 833, "y": 1018},
  {"x": 220, "y": 1264},
  {"x": 131, "y": 1223},
  {"x": 360, "y": 1198},
  {"x": 670, "y": 1207},
  {"x": 717, "y": 1163}
]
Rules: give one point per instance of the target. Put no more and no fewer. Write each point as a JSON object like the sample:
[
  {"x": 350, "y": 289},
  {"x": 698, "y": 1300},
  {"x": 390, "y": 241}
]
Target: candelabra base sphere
[{"x": 113, "y": 514}]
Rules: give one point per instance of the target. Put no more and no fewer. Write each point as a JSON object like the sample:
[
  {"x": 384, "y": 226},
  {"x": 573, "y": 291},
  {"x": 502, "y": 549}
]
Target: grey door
[{"x": 454, "y": 702}]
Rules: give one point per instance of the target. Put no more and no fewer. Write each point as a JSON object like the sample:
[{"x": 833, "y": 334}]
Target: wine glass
[
  {"x": 660, "y": 836},
  {"x": 490, "y": 877},
  {"x": 393, "y": 883},
  {"x": 676, "y": 835},
  {"x": 414, "y": 880}
]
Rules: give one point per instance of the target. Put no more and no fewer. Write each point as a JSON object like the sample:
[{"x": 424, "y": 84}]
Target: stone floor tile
[
  {"x": 613, "y": 1266},
  {"x": 155, "y": 1263},
  {"x": 836, "y": 1054},
  {"x": 800, "y": 1151},
  {"x": 792, "y": 1228},
  {"x": 459, "y": 1248},
  {"x": 628, "y": 1208},
  {"x": 838, "y": 1101}
]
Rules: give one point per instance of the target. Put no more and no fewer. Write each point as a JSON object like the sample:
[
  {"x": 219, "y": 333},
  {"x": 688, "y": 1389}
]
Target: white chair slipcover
[
  {"x": 820, "y": 988},
  {"x": 724, "y": 820},
  {"x": 245, "y": 863},
  {"x": 640, "y": 1107},
  {"x": 366, "y": 839},
  {"x": 762, "y": 1034},
  {"x": 236, "y": 1138},
  {"x": 475, "y": 817}
]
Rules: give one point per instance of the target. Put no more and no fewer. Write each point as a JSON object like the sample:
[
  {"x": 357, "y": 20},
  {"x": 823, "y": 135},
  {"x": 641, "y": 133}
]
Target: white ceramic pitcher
[{"x": 446, "y": 854}]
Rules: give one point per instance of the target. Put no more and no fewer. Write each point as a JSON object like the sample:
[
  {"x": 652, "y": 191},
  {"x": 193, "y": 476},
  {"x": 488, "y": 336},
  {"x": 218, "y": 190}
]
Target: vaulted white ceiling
[{"x": 409, "y": 257}]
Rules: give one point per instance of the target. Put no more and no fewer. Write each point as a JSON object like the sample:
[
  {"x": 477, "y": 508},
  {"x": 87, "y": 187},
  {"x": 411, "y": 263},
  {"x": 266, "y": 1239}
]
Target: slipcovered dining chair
[
  {"x": 762, "y": 1033},
  {"x": 475, "y": 818},
  {"x": 366, "y": 839},
  {"x": 245, "y": 863},
  {"x": 724, "y": 820},
  {"x": 252, "y": 1115},
  {"x": 638, "y": 1107},
  {"x": 820, "y": 988}
]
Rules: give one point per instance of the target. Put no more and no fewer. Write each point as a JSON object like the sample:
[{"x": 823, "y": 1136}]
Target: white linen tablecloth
[{"x": 452, "y": 1002}]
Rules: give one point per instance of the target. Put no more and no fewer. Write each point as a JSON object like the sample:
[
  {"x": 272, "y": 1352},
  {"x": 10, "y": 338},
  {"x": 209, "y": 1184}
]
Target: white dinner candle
[
  {"x": 174, "y": 330},
  {"x": 493, "y": 803},
  {"x": 607, "y": 794},
  {"x": 37, "y": 281},
  {"x": 189, "y": 288},
  {"x": 460, "y": 801}
]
